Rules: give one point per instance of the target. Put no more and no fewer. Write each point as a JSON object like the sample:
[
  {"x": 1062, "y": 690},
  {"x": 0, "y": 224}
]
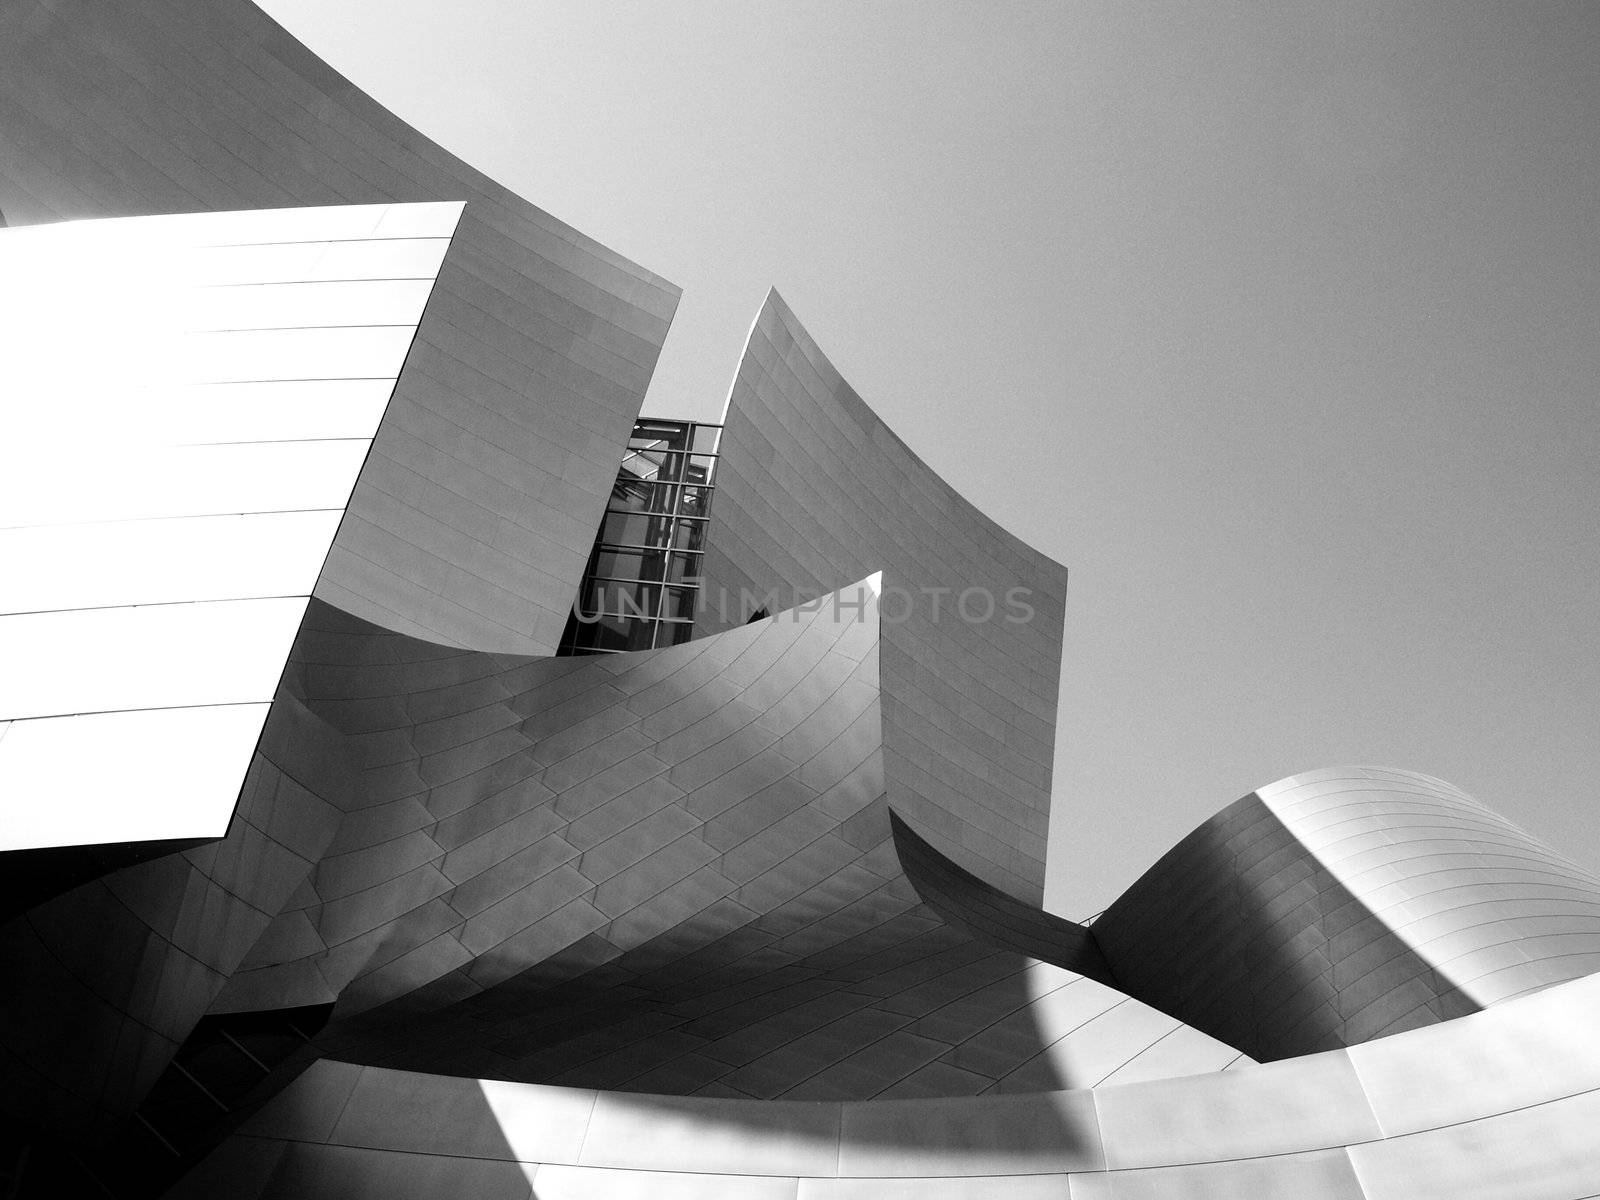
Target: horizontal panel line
[
  {"x": 296, "y": 328},
  {"x": 101, "y": 712},
  {"x": 32, "y": 612},
  {"x": 324, "y": 241},
  {"x": 253, "y": 512},
  {"x": 254, "y": 283},
  {"x": 274, "y": 441},
  {"x": 299, "y": 379}
]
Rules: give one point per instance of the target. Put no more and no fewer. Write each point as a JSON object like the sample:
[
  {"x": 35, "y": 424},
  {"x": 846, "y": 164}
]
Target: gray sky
[{"x": 1278, "y": 324}]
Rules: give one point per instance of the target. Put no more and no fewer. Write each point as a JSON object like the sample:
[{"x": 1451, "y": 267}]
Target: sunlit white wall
[{"x": 186, "y": 404}]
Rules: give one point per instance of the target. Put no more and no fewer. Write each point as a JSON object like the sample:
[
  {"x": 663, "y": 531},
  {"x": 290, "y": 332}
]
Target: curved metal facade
[
  {"x": 186, "y": 433},
  {"x": 109, "y": 978},
  {"x": 815, "y": 490},
  {"x": 482, "y": 493},
  {"x": 754, "y": 915},
  {"x": 1348, "y": 904},
  {"x": 1499, "y": 1104},
  {"x": 667, "y": 871}
]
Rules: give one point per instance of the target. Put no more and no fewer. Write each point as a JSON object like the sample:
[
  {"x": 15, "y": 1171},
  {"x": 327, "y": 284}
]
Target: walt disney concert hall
[{"x": 421, "y": 777}]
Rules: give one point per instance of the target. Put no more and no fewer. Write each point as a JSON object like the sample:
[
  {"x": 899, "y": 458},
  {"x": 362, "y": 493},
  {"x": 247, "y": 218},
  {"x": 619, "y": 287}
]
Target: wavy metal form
[
  {"x": 161, "y": 536},
  {"x": 495, "y": 458},
  {"x": 666, "y": 871},
  {"x": 1348, "y": 904},
  {"x": 1497, "y": 1103},
  {"x": 967, "y": 902},
  {"x": 107, "y": 979},
  {"x": 815, "y": 490},
  {"x": 678, "y": 871},
  {"x": 1502, "y": 1103},
  {"x": 470, "y": 525}
]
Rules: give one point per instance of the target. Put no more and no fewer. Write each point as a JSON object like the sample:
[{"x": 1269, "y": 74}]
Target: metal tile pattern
[
  {"x": 768, "y": 897},
  {"x": 692, "y": 874},
  {"x": 1363, "y": 1124},
  {"x": 1349, "y": 904},
  {"x": 478, "y": 506},
  {"x": 669, "y": 871},
  {"x": 522, "y": 813},
  {"x": 108, "y": 978},
  {"x": 815, "y": 490},
  {"x": 162, "y": 535}
]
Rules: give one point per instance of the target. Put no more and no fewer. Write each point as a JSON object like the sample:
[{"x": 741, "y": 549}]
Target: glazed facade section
[
  {"x": 642, "y": 585},
  {"x": 494, "y": 461},
  {"x": 815, "y": 491}
]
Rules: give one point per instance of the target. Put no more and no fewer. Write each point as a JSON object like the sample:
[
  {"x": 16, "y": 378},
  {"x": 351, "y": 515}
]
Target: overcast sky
[{"x": 1278, "y": 324}]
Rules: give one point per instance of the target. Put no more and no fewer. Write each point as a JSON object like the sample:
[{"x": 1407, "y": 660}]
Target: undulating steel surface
[
  {"x": 667, "y": 871},
  {"x": 677, "y": 871},
  {"x": 965, "y": 901},
  {"x": 185, "y": 435},
  {"x": 814, "y": 491},
  {"x": 1347, "y": 904},
  {"x": 1502, "y": 1103},
  {"x": 106, "y": 980},
  {"x": 176, "y": 490},
  {"x": 480, "y": 501}
]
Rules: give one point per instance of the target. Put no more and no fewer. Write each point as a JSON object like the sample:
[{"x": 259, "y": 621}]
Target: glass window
[
  {"x": 642, "y": 495},
  {"x": 621, "y": 596},
  {"x": 653, "y": 533},
  {"x": 629, "y": 564},
  {"x": 617, "y": 633},
  {"x": 640, "y": 464},
  {"x": 635, "y": 529},
  {"x": 671, "y": 466},
  {"x": 678, "y": 603},
  {"x": 695, "y": 502},
  {"x": 684, "y": 568},
  {"x": 674, "y": 633},
  {"x": 701, "y": 469},
  {"x": 690, "y": 535}
]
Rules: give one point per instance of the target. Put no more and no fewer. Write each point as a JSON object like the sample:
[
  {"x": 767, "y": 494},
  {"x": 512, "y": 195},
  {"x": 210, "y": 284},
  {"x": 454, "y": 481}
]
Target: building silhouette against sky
[{"x": 422, "y": 777}]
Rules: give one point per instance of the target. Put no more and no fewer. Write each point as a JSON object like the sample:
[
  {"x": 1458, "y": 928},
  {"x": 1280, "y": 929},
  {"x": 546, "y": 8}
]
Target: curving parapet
[
  {"x": 815, "y": 490},
  {"x": 1348, "y": 904},
  {"x": 964, "y": 900},
  {"x": 480, "y": 500},
  {"x": 1499, "y": 1104}
]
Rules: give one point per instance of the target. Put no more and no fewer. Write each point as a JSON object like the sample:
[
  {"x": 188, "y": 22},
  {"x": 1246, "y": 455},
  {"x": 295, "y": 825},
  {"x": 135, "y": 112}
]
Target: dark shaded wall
[
  {"x": 478, "y": 506},
  {"x": 107, "y": 979},
  {"x": 815, "y": 491}
]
